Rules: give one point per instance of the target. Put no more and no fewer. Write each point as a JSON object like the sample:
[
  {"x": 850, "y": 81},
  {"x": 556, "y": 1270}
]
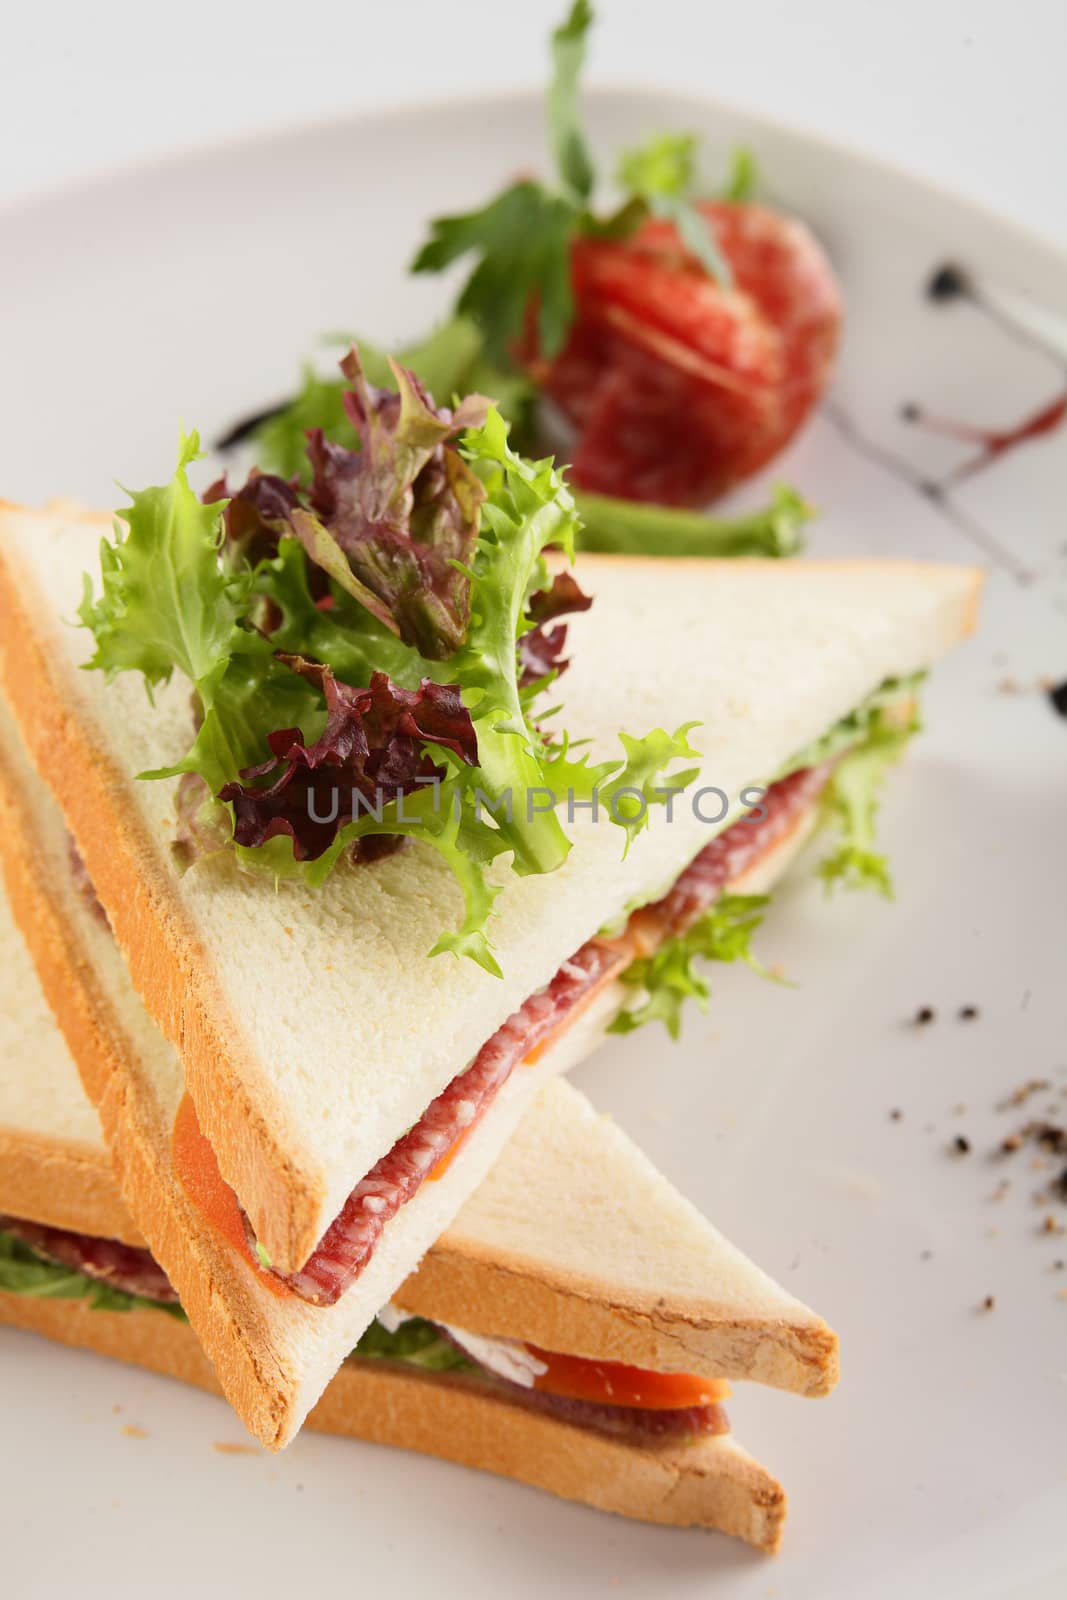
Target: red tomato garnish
[
  {"x": 680, "y": 388},
  {"x": 615, "y": 1383},
  {"x": 198, "y": 1173}
]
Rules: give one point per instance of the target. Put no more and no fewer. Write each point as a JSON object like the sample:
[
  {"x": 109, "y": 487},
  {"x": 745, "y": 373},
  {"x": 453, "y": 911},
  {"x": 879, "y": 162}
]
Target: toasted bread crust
[
  {"x": 580, "y": 1316},
  {"x": 61, "y": 1182},
  {"x": 183, "y": 1242},
  {"x": 709, "y": 1484},
  {"x": 167, "y": 961},
  {"x": 493, "y": 1291}
]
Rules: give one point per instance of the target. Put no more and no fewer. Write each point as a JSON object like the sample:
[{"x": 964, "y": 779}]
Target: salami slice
[
  {"x": 349, "y": 1242},
  {"x": 120, "y": 1266}
]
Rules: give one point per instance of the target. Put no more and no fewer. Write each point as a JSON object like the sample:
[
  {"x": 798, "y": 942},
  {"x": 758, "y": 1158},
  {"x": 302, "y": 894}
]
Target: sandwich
[
  {"x": 336, "y": 1091},
  {"x": 571, "y": 1329}
]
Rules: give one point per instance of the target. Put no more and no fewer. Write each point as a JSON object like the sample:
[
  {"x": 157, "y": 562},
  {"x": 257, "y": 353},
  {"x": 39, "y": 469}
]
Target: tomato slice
[
  {"x": 198, "y": 1173},
  {"x": 615, "y": 1383}
]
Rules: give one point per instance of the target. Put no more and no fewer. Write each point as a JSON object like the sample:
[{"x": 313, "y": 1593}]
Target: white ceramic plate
[{"x": 190, "y": 290}]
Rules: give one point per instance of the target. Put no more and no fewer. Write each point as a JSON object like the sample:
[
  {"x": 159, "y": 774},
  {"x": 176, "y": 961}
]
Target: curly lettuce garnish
[
  {"x": 356, "y": 647},
  {"x": 669, "y": 976},
  {"x": 852, "y": 799},
  {"x": 866, "y": 744}
]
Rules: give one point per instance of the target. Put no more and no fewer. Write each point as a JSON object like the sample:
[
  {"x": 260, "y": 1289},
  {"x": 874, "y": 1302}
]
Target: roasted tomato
[{"x": 679, "y": 388}]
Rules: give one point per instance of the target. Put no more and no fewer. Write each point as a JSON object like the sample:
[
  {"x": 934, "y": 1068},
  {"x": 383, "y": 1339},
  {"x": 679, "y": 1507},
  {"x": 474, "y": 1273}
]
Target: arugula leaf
[
  {"x": 22, "y": 1271},
  {"x": 634, "y": 528},
  {"x": 573, "y": 161},
  {"x": 668, "y": 977},
  {"x": 415, "y": 1341}
]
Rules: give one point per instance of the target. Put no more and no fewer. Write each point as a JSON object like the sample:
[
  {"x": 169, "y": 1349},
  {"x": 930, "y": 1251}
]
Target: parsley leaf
[
  {"x": 522, "y": 241},
  {"x": 743, "y": 181},
  {"x": 661, "y": 174},
  {"x": 573, "y": 161}
]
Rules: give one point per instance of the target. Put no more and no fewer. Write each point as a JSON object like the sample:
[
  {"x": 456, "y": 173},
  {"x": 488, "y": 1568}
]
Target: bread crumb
[
  {"x": 226, "y": 1447},
  {"x": 132, "y": 1431}
]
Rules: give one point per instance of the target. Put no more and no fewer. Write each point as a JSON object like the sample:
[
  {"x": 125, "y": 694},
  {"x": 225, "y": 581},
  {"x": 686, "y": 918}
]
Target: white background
[{"x": 970, "y": 92}]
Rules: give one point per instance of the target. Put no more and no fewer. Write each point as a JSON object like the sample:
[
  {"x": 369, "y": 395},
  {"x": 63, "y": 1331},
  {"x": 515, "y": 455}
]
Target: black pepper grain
[
  {"x": 924, "y": 1015},
  {"x": 968, "y": 1013},
  {"x": 962, "y": 1144}
]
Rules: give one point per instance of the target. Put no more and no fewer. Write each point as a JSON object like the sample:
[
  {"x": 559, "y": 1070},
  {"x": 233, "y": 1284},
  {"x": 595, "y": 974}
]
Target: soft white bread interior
[
  {"x": 709, "y": 1483},
  {"x": 274, "y": 1356},
  {"x": 54, "y": 1167},
  {"x": 258, "y": 985},
  {"x": 594, "y": 1252}
]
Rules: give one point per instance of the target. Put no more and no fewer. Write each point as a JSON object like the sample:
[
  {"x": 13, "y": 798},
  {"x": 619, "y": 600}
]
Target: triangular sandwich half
[
  {"x": 574, "y": 1281},
  {"x": 350, "y": 1088}
]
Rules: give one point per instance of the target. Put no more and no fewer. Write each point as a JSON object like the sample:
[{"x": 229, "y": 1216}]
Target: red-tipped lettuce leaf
[
  {"x": 541, "y": 649},
  {"x": 372, "y": 749},
  {"x": 390, "y": 520},
  {"x": 257, "y": 515}
]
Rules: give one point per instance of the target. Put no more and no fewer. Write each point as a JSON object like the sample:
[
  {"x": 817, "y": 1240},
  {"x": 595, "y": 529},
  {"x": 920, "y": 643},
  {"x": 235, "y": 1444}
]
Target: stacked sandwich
[{"x": 386, "y": 848}]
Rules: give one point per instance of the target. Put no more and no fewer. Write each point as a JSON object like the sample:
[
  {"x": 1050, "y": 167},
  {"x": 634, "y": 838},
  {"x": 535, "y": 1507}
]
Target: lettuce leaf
[
  {"x": 669, "y": 976},
  {"x": 868, "y": 742},
  {"x": 632, "y": 528},
  {"x": 417, "y": 1342},
  {"x": 22, "y": 1271},
  {"x": 407, "y": 565},
  {"x": 852, "y": 799}
]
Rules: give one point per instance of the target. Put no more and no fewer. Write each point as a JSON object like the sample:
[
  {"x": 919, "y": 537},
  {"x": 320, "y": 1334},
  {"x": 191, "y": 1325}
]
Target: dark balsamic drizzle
[
  {"x": 951, "y": 282},
  {"x": 931, "y": 490},
  {"x": 243, "y": 429}
]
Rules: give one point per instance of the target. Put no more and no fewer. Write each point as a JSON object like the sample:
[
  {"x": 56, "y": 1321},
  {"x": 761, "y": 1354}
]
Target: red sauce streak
[{"x": 996, "y": 442}]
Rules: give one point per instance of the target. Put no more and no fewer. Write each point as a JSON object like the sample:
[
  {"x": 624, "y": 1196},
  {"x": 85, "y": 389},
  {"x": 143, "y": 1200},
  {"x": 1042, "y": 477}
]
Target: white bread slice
[
  {"x": 53, "y": 1164},
  {"x": 710, "y": 1483},
  {"x": 259, "y": 986},
  {"x": 274, "y": 1356}
]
